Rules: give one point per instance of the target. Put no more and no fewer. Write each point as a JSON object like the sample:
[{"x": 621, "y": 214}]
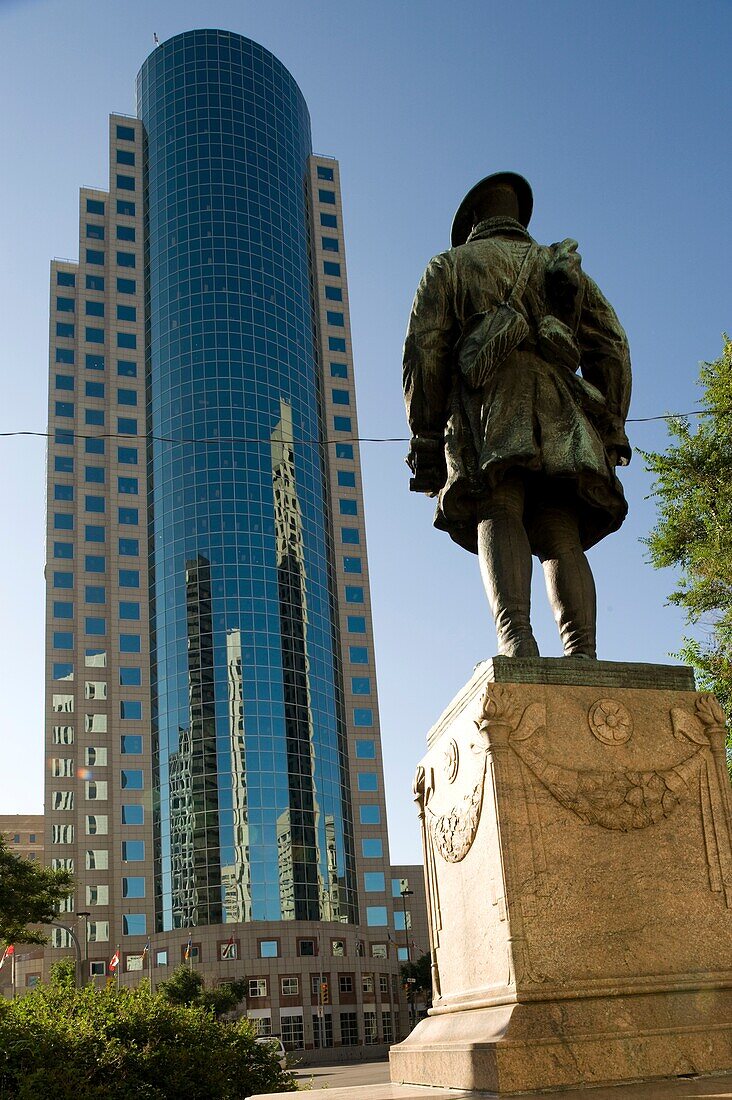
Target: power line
[{"x": 213, "y": 440}]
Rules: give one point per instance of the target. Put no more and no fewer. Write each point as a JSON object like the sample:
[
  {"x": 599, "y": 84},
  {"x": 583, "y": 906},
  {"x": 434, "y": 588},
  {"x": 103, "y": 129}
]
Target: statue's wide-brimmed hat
[{"x": 477, "y": 197}]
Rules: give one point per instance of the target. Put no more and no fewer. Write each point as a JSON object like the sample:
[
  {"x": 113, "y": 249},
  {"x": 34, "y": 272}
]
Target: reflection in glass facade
[{"x": 252, "y": 804}]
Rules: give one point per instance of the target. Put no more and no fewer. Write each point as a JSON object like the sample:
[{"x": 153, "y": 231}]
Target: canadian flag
[
  {"x": 7, "y": 954},
  {"x": 114, "y": 961}
]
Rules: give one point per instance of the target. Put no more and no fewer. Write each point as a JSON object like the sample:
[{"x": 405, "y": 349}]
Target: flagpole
[
  {"x": 149, "y": 965},
  {"x": 12, "y": 972},
  {"x": 119, "y": 960}
]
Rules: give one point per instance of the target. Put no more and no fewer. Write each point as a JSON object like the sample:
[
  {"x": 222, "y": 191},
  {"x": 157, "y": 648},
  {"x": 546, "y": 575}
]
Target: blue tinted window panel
[
  {"x": 65, "y": 278},
  {"x": 363, "y": 716},
  {"x": 134, "y": 924},
  {"x": 376, "y": 916},
  {"x": 125, "y": 183},
  {"x": 372, "y": 848},
  {"x": 357, "y": 624},
  {"x": 130, "y": 709},
  {"x": 133, "y": 814},
  {"x": 342, "y": 423},
  {"x": 133, "y": 887},
  {"x": 94, "y": 206},
  {"x": 63, "y": 639},
  {"x": 133, "y": 851},
  {"x": 131, "y": 779},
  {"x": 369, "y": 815},
  {"x": 129, "y": 643},
  {"x": 374, "y": 882},
  {"x": 365, "y": 749},
  {"x": 63, "y": 521},
  {"x": 368, "y": 782},
  {"x": 324, "y": 173},
  {"x": 354, "y": 594}
]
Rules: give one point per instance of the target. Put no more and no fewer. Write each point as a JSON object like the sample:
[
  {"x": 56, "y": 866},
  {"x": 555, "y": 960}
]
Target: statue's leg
[
  {"x": 569, "y": 581},
  {"x": 505, "y": 566}
]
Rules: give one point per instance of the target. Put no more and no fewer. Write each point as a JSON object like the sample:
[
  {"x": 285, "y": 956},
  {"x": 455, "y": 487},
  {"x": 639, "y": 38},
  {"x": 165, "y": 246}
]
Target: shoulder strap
[{"x": 523, "y": 274}]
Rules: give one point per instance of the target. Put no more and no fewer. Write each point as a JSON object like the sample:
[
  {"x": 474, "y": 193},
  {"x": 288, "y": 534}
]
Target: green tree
[
  {"x": 421, "y": 971},
  {"x": 127, "y": 1044},
  {"x": 693, "y": 490},
  {"x": 29, "y": 894},
  {"x": 186, "y": 987}
]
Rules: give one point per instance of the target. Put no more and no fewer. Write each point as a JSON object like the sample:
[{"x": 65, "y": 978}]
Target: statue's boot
[
  {"x": 505, "y": 565},
  {"x": 571, "y": 590}
]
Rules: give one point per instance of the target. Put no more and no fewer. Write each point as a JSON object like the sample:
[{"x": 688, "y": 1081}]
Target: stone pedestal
[{"x": 577, "y": 823}]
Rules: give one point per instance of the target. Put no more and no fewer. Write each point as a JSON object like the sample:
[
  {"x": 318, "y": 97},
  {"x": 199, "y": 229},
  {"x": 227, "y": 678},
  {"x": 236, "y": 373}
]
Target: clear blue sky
[{"x": 619, "y": 115}]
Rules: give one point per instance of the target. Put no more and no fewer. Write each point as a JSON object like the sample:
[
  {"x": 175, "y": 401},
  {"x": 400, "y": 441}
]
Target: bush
[{"x": 127, "y": 1044}]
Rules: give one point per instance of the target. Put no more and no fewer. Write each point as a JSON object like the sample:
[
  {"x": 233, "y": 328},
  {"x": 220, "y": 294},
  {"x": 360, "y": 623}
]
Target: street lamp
[
  {"x": 407, "y": 893},
  {"x": 84, "y": 915},
  {"x": 77, "y": 945}
]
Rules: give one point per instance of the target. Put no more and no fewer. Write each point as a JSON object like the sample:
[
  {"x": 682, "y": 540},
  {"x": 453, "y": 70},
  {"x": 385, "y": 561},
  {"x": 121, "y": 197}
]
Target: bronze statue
[{"x": 517, "y": 446}]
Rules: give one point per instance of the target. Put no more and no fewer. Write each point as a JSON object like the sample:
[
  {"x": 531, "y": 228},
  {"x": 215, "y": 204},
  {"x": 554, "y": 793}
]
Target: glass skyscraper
[{"x": 215, "y": 776}]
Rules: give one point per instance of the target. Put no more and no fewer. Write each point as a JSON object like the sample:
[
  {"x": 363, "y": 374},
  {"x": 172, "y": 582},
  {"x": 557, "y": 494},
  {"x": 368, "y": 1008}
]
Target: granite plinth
[{"x": 577, "y": 826}]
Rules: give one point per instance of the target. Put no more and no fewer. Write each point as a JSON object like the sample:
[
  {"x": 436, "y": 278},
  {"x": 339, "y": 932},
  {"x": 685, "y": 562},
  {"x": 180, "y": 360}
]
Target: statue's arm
[
  {"x": 427, "y": 371},
  {"x": 606, "y": 364}
]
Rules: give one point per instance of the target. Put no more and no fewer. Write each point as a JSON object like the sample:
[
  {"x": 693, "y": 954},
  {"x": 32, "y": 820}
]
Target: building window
[
  {"x": 269, "y": 949},
  {"x": 350, "y": 536},
  {"x": 328, "y": 221},
  {"x": 341, "y": 397},
  {"x": 372, "y": 848},
  {"x": 94, "y": 206},
  {"x": 336, "y": 343},
  {"x": 125, "y": 133},
  {"x": 354, "y": 594},
  {"x": 131, "y": 744},
  {"x": 306, "y": 948},
  {"x": 65, "y": 278},
  {"x": 126, "y": 156},
  {"x": 345, "y": 983},
  {"x": 357, "y": 624},
  {"x": 125, "y": 183},
  {"x": 131, "y": 779},
  {"x": 368, "y": 782},
  {"x": 347, "y": 479},
  {"x": 349, "y": 1029},
  {"x": 126, "y": 286},
  {"x": 342, "y": 423},
  {"x": 262, "y": 1024},
  {"x": 134, "y": 924},
  {"x": 348, "y": 507},
  {"x": 334, "y": 318},
  {"x": 330, "y": 244},
  {"x": 95, "y": 282},
  {"x": 126, "y": 313},
  {"x": 338, "y": 948},
  {"x": 358, "y": 654},
  {"x": 330, "y": 267},
  {"x": 229, "y": 951},
  {"x": 326, "y": 196},
  {"x": 324, "y": 173},
  {"x": 339, "y": 370},
  {"x": 94, "y": 309},
  {"x": 133, "y": 887},
  {"x": 93, "y": 256},
  {"x": 360, "y": 685},
  {"x": 344, "y": 450},
  {"x": 291, "y": 1028},
  {"x": 290, "y": 987},
  {"x": 257, "y": 987},
  {"x": 133, "y": 814},
  {"x": 133, "y": 851},
  {"x": 374, "y": 882},
  {"x": 161, "y": 957},
  {"x": 97, "y": 968},
  {"x": 322, "y": 1030},
  {"x": 369, "y": 815},
  {"x": 352, "y": 565},
  {"x": 363, "y": 716}
]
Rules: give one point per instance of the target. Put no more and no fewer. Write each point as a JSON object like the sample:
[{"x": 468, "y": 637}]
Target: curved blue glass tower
[{"x": 252, "y": 805}]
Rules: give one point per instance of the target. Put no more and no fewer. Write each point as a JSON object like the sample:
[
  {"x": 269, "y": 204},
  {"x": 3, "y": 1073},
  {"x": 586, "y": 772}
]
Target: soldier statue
[{"x": 517, "y": 386}]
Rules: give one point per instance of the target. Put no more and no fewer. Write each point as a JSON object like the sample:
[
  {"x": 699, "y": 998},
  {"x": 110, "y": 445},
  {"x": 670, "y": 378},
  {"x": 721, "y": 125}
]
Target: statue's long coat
[{"x": 530, "y": 413}]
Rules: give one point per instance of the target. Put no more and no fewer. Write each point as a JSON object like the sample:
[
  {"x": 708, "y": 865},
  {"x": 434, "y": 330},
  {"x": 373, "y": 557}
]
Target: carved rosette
[{"x": 611, "y": 722}]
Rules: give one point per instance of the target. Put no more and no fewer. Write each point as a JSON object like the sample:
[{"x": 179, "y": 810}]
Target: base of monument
[{"x": 515, "y": 1048}]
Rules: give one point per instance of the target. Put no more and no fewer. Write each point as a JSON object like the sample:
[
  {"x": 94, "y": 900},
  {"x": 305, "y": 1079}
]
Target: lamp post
[
  {"x": 77, "y": 945},
  {"x": 84, "y": 915},
  {"x": 407, "y": 893}
]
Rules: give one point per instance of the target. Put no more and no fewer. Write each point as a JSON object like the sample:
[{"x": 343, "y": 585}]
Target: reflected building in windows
[{"x": 214, "y": 758}]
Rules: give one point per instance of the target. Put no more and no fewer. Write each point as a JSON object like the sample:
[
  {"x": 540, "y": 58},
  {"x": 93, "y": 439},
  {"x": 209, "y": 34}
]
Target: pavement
[{"x": 370, "y": 1081}]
